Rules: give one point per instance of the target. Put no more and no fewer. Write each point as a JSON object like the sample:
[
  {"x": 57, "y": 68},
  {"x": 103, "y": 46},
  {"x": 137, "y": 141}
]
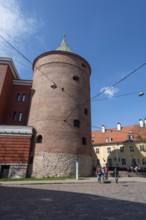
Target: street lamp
[{"x": 141, "y": 94}]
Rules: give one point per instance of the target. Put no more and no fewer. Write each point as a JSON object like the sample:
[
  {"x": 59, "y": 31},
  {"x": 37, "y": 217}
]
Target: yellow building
[{"x": 121, "y": 146}]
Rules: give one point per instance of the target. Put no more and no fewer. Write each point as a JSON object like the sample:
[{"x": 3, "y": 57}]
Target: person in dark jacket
[{"x": 116, "y": 174}]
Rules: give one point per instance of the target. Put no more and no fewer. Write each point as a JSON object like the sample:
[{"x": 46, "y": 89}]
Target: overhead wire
[
  {"x": 88, "y": 100},
  {"x": 126, "y": 94}
]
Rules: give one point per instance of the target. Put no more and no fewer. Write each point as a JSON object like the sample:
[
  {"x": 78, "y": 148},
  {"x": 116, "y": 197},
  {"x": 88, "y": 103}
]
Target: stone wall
[{"x": 60, "y": 165}]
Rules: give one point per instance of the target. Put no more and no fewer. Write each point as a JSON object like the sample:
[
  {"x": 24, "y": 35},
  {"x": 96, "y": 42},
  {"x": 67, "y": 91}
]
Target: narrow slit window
[
  {"x": 85, "y": 111},
  {"x": 39, "y": 139},
  {"x": 84, "y": 141}
]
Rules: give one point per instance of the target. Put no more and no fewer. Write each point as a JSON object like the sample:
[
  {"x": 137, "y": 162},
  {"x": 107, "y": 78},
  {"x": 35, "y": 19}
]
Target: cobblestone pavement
[{"x": 65, "y": 201}]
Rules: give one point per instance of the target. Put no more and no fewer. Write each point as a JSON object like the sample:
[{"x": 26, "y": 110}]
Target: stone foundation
[{"x": 60, "y": 165}]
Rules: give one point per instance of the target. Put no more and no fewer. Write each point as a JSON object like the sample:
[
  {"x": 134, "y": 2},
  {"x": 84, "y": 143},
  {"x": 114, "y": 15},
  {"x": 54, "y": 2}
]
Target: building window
[
  {"x": 39, "y": 139},
  {"x": 131, "y": 148},
  {"x": 122, "y": 149},
  {"x": 20, "y": 116},
  {"x": 77, "y": 123},
  {"x": 14, "y": 116},
  {"x": 23, "y": 97},
  {"x": 84, "y": 141},
  {"x": 130, "y": 137},
  {"x": 109, "y": 150},
  {"x": 97, "y": 150},
  {"x": 141, "y": 148},
  {"x": 98, "y": 162},
  {"x": 123, "y": 161},
  {"x": 85, "y": 111},
  {"x": 144, "y": 161},
  {"x": 76, "y": 78},
  {"x": 18, "y": 97}
]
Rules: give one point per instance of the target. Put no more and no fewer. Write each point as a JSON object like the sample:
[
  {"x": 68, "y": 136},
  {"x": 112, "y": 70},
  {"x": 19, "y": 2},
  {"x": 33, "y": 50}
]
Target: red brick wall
[
  {"x": 6, "y": 78},
  {"x": 14, "y": 149},
  {"x": 18, "y": 106}
]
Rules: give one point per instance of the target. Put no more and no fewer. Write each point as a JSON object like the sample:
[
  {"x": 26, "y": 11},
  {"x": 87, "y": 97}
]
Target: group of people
[{"x": 102, "y": 174}]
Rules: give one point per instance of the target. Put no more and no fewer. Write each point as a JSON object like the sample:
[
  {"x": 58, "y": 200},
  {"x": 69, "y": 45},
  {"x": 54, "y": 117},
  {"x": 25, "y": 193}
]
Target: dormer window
[
  {"x": 130, "y": 137},
  {"x": 108, "y": 139}
]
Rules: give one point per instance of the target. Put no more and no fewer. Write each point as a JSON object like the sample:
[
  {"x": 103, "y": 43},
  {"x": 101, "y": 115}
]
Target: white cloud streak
[
  {"x": 109, "y": 91},
  {"x": 17, "y": 27}
]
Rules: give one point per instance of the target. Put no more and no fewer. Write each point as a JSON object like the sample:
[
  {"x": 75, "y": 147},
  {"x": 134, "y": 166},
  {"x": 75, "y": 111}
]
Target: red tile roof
[{"x": 138, "y": 134}]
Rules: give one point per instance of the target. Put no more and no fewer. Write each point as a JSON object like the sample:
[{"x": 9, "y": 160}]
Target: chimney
[
  {"x": 119, "y": 126},
  {"x": 103, "y": 128}
]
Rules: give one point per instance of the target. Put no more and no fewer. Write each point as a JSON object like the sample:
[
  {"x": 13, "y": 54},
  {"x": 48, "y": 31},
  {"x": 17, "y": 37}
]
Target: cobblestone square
[{"x": 69, "y": 200}]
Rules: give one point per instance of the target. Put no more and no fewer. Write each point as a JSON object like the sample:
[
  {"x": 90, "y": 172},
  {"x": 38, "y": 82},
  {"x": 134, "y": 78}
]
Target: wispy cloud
[
  {"x": 109, "y": 91},
  {"x": 16, "y": 26}
]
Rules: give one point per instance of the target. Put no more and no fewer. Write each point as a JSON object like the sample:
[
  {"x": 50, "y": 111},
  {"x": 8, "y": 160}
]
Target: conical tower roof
[{"x": 64, "y": 46}]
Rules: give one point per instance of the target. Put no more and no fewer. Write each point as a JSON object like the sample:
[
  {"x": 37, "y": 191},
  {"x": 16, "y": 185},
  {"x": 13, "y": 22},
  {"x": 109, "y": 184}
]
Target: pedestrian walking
[
  {"x": 116, "y": 174},
  {"x": 106, "y": 170}
]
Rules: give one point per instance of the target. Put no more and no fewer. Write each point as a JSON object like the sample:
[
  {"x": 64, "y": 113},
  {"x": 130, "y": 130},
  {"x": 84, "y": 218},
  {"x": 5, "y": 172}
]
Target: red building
[{"x": 15, "y": 135}]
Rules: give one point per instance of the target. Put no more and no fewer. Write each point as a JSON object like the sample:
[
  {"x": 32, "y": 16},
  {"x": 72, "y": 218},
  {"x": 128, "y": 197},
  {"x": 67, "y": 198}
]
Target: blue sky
[{"x": 109, "y": 34}]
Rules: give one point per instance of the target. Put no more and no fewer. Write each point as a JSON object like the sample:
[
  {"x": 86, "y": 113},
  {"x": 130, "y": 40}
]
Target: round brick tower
[{"x": 60, "y": 114}]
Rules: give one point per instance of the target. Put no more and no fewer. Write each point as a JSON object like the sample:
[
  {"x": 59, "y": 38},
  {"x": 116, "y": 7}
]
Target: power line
[
  {"x": 126, "y": 94},
  {"x": 121, "y": 80},
  {"x": 55, "y": 86}
]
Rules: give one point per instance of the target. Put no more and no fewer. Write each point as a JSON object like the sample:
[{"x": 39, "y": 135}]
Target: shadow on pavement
[{"x": 22, "y": 203}]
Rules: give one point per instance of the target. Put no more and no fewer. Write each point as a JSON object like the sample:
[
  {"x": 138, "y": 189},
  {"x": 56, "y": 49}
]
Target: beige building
[{"x": 121, "y": 146}]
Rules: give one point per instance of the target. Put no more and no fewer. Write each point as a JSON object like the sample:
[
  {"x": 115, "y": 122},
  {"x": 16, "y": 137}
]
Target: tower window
[
  {"x": 84, "y": 65},
  {"x": 85, "y": 111},
  {"x": 23, "y": 97},
  {"x": 77, "y": 123},
  {"x": 76, "y": 78},
  {"x": 39, "y": 139},
  {"x": 14, "y": 116},
  {"x": 20, "y": 116},
  {"x": 84, "y": 141}
]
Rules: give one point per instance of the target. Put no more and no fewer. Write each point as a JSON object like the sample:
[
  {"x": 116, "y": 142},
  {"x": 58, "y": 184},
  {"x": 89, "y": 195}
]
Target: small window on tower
[
  {"x": 84, "y": 65},
  {"x": 77, "y": 123},
  {"x": 84, "y": 141},
  {"x": 76, "y": 78},
  {"x": 39, "y": 139},
  {"x": 85, "y": 111}
]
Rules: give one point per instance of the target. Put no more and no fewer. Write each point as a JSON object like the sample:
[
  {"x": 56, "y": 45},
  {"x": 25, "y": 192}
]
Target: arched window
[
  {"x": 76, "y": 123},
  {"x": 23, "y": 97},
  {"x": 76, "y": 78},
  {"x": 39, "y": 139},
  {"x": 18, "y": 97}
]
